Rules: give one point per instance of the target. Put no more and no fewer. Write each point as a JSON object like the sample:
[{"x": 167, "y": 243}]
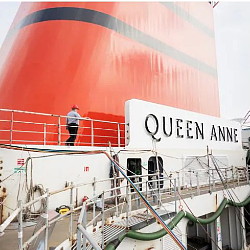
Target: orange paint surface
[{"x": 48, "y": 66}]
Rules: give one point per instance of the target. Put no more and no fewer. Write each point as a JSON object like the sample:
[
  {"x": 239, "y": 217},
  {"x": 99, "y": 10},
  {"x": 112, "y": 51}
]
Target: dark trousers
[{"x": 72, "y": 128}]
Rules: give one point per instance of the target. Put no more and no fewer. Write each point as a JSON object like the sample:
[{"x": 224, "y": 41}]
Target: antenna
[{"x": 214, "y": 3}]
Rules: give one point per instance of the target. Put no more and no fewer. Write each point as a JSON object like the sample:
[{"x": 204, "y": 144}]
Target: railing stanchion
[
  {"x": 198, "y": 184},
  {"x": 147, "y": 198},
  {"x": 209, "y": 179},
  {"x": 137, "y": 198},
  {"x": 119, "y": 134},
  {"x": 20, "y": 226},
  {"x": 175, "y": 195},
  {"x": 116, "y": 194},
  {"x": 71, "y": 234},
  {"x": 103, "y": 219},
  {"x": 127, "y": 214},
  {"x": 59, "y": 130},
  {"x": 84, "y": 223},
  {"x": 226, "y": 177},
  {"x": 44, "y": 133},
  {"x": 213, "y": 179},
  {"x": 190, "y": 181},
  {"x": 79, "y": 239},
  {"x": 94, "y": 202},
  {"x": 233, "y": 177},
  {"x": 247, "y": 174},
  {"x": 179, "y": 182},
  {"x": 238, "y": 177},
  {"x": 92, "y": 133},
  {"x": 46, "y": 221},
  {"x": 11, "y": 126}
]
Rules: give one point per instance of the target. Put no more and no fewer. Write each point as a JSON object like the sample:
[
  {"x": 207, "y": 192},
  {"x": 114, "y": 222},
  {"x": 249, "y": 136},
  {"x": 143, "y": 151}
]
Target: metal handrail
[
  {"x": 46, "y": 128},
  {"x": 92, "y": 200},
  {"x": 62, "y": 116}
]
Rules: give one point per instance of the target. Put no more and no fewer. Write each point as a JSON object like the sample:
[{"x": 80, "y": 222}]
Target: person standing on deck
[{"x": 72, "y": 125}]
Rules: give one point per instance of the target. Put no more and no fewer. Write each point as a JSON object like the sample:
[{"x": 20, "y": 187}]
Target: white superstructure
[{"x": 168, "y": 151}]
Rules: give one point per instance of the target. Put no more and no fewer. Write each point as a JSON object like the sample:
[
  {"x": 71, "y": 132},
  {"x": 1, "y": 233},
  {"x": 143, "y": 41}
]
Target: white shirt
[{"x": 75, "y": 117}]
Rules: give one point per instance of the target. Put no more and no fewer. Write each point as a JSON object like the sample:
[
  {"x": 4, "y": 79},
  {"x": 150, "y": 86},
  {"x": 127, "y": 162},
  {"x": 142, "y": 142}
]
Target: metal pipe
[
  {"x": 79, "y": 239},
  {"x": 34, "y": 236},
  {"x": 62, "y": 116},
  {"x": 103, "y": 220},
  {"x": 90, "y": 239},
  {"x": 81, "y": 221},
  {"x": 158, "y": 177},
  {"x": 35, "y": 200},
  {"x": 173, "y": 223},
  {"x": 115, "y": 191},
  {"x": 20, "y": 225},
  {"x": 46, "y": 238},
  {"x": 147, "y": 199},
  {"x": 9, "y": 220},
  {"x": 92, "y": 133},
  {"x": 84, "y": 224},
  {"x": 175, "y": 195},
  {"x": 213, "y": 179},
  {"x": 59, "y": 130},
  {"x": 197, "y": 183},
  {"x": 119, "y": 135},
  {"x": 94, "y": 183},
  {"x": 127, "y": 191},
  {"x": 44, "y": 134},
  {"x": 11, "y": 126},
  {"x": 71, "y": 234}
]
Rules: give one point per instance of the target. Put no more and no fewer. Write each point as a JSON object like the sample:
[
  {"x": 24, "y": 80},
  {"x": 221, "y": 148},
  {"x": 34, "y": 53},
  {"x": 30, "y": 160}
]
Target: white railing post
[
  {"x": 233, "y": 177},
  {"x": 198, "y": 184},
  {"x": 92, "y": 133},
  {"x": 115, "y": 191},
  {"x": 175, "y": 195},
  {"x": 94, "y": 200},
  {"x": 20, "y": 226},
  {"x": 103, "y": 219},
  {"x": 247, "y": 175},
  {"x": 127, "y": 212},
  {"x": 213, "y": 176},
  {"x": 79, "y": 239},
  {"x": 46, "y": 221},
  {"x": 44, "y": 133},
  {"x": 238, "y": 177},
  {"x": 190, "y": 181},
  {"x": 59, "y": 130},
  {"x": 84, "y": 223},
  {"x": 119, "y": 135},
  {"x": 179, "y": 182},
  {"x": 147, "y": 197},
  {"x": 71, "y": 234},
  {"x": 226, "y": 177},
  {"x": 11, "y": 126}
]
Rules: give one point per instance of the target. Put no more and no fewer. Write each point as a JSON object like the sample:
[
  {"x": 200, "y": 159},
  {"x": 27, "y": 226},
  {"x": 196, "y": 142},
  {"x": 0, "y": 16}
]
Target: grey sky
[
  {"x": 232, "y": 32},
  {"x": 7, "y": 13}
]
